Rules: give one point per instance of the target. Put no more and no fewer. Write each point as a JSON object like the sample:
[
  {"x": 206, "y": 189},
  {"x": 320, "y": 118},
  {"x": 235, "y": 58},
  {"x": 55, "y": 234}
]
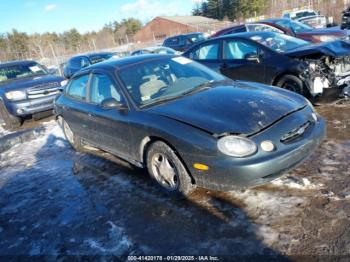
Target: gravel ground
[{"x": 54, "y": 201}]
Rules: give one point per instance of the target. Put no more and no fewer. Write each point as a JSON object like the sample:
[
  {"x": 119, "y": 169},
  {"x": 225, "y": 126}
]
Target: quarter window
[
  {"x": 238, "y": 49},
  {"x": 77, "y": 87},
  {"x": 103, "y": 88},
  {"x": 206, "y": 52}
]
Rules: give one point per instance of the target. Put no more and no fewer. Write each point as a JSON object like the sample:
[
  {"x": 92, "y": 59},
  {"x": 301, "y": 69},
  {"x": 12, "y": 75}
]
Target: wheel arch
[
  {"x": 282, "y": 74},
  {"x": 147, "y": 141}
]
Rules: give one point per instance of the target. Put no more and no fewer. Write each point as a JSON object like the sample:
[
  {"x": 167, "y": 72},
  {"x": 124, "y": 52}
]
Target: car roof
[
  {"x": 92, "y": 54},
  {"x": 125, "y": 61},
  {"x": 17, "y": 62},
  {"x": 243, "y": 34}
]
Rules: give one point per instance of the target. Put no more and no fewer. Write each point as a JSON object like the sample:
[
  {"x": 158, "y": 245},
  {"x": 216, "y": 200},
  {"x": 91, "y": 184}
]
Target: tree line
[
  {"x": 230, "y": 9},
  {"x": 16, "y": 45}
]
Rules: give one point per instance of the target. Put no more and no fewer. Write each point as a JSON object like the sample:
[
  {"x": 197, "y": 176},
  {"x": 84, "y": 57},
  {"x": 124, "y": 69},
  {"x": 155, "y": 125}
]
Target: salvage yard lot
[{"x": 54, "y": 201}]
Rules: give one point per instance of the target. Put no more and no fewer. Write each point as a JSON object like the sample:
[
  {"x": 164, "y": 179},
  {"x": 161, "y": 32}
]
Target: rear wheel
[
  {"x": 292, "y": 83},
  {"x": 167, "y": 170},
  {"x": 74, "y": 140},
  {"x": 11, "y": 122}
]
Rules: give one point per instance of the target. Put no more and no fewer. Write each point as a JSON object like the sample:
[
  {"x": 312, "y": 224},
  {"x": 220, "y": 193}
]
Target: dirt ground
[{"x": 54, "y": 201}]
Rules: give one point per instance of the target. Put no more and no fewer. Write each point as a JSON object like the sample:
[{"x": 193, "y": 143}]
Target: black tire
[
  {"x": 74, "y": 140},
  {"x": 180, "y": 177},
  {"x": 11, "y": 122},
  {"x": 292, "y": 83}
]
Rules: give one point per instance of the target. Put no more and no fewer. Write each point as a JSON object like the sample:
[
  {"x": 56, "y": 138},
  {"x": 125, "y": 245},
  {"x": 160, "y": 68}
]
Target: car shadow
[
  {"x": 207, "y": 222},
  {"x": 94, "y": 204}
]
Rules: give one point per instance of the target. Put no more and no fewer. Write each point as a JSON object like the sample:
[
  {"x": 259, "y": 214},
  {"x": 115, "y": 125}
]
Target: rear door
[
  {"x": 110, "y": 127},
  {"x": 76, "y": 112},
  {"x": 242, "y": 60}
]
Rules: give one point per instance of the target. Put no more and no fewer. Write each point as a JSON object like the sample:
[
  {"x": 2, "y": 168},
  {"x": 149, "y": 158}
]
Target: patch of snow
[{"x": 295, "y": 183}]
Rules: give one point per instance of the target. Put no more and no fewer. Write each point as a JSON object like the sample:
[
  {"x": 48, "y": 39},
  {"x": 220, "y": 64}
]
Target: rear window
[
  {"x": 99, "y": 58},
  {"x": 172, "y": 41}
]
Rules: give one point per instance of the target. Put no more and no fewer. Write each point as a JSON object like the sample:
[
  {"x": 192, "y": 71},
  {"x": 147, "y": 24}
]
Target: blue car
[
  {"x": 183, "y": 42},
  {"x": 26, "y": 89}
]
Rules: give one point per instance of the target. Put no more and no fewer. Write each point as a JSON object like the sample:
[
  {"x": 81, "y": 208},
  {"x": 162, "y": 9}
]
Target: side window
[
  {"x": 84, "y": 62},
  {"x": 102, "y": 88},
  {"x": 236, "y": 49},
  {"x": 77, "y": 87},
  {"x": 76, "y": 62},
  {"x": 206, "y": 52}
]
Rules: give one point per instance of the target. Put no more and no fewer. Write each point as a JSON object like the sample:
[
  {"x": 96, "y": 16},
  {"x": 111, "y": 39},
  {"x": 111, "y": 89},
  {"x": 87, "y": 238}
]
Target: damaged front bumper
[
  {"x": 228, "y": 173},
  {"x": 329, "y": 78}
]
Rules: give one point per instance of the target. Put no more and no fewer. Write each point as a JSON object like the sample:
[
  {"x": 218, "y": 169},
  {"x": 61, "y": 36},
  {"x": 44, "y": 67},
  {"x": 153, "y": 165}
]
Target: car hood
[
  {"x": 24, "y": 83},
  {"x": 335, "y": 49},
  {"x": 237, "y": 108}
]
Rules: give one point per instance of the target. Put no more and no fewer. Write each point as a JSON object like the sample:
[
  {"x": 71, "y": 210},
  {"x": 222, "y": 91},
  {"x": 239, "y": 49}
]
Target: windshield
[
  {"x": 99, "y": 58},
  {"x": 165, "y": 78},
  {"x": 278, "y": 42},
  {"x": 295, "y": 26},
  {"x": 12, "y": 72}
]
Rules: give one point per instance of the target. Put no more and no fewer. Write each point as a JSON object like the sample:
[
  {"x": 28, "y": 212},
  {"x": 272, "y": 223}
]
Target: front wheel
[
  {"x": 167, "y": 170},
  {"x": 292, "y": 83}
]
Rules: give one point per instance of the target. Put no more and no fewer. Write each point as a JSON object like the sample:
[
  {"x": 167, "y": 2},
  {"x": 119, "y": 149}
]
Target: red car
[{"x": 288, "y": 27}]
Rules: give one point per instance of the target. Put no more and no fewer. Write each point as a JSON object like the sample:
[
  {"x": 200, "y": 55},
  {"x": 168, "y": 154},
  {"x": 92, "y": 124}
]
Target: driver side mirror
[
  {"x": 111, "y": 103},
  {"x": 253, "y": 57}
]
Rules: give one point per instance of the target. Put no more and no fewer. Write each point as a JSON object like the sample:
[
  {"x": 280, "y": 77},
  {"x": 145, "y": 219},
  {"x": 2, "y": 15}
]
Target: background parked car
[
  {"x": 288, "y": 27},
  {"x": 76, "y": 63},
  {"x": 307, "y": 33},
  {"x": 26, "y": 88},
  {"x": 183, "y": 42},
  {"x": 155, "y": 50},
  {"x": 307, "y": 16},
  {"x": 345, "y": 22},
  {"x": 280, "y": 60},
  {"x": 248, "y": 27},
  {"x": 187, "y": 124}
]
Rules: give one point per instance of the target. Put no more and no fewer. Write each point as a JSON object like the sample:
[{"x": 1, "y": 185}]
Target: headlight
[
  {"x": 236, "y": 146},
  {"x": 326, "y": 38},
  {"x": 64, "y": 82},
  {"x": 15, "y": 95}
]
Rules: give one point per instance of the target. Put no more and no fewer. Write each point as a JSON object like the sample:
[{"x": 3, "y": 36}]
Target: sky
[{"x": 40, "y": 16}]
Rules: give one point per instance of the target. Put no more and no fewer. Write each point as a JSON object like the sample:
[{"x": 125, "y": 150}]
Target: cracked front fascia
[{"x": 335, "y": 70}]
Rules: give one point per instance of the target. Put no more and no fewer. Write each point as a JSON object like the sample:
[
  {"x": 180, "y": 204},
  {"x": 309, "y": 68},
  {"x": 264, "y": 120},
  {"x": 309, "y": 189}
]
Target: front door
[
  {"x": 242, "y": 60},
  {"x": 208, "y": 54}
]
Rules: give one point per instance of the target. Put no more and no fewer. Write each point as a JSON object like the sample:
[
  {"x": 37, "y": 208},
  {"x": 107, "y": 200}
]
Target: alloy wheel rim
[
  {"x": 165, "y": 172},
  {"x": 291, "y": 86}
]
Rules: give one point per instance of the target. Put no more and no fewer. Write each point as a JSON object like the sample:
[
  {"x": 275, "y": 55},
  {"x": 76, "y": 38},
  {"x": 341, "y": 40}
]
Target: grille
[
  {"x": 43, "y": 90},
  {"x": 295, "y": 133}
]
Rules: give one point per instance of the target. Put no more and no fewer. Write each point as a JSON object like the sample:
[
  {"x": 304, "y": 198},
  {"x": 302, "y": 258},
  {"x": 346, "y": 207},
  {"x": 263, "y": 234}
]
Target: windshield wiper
[
  {"x": 196, "y": 89},
  {"x": 159, "y": 100}
]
